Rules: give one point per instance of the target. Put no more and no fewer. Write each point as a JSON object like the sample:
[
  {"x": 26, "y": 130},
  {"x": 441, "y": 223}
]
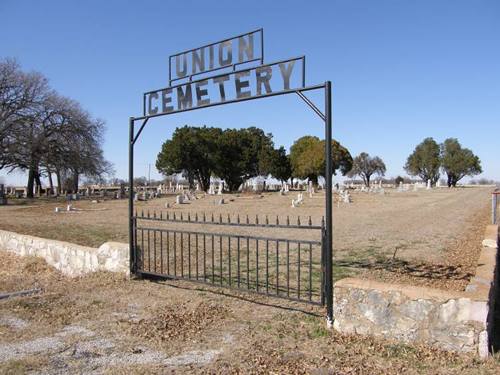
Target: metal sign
[
  {"x": 235, "y": 84},
  {"x": 227, "y": 53},
  {"x": 239, "y": 85}
]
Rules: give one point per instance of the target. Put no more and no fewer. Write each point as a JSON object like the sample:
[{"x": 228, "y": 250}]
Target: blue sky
[{"x": 401, "y": 70}]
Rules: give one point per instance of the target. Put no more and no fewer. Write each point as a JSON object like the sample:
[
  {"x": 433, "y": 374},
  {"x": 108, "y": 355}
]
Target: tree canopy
[
  {"x": 233, "y": 155},
  {"x": 365, "y": 166},
  {"x": 307, "y": 158},
  {"x": 458, "y": 162},
  {"x": 276, "y": 163},
  {"x": 192, "y": 151},
  {"x": 43, "y": 132},
  {"x": 425, "y": 161},
  {"x": 429, "y": 157}
]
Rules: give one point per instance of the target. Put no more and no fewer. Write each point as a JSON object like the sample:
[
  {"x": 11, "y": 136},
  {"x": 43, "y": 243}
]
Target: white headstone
[
  {"x": 428, "y": 184},
  {"x": 179, "y": 199}
]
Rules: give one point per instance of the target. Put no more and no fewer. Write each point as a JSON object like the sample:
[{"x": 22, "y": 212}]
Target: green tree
[
  {"x": 307, "y": 157},
  {"x": 458, "y": 162},
  {"x": 425, "y": 161},
  {"x": 276, "y": 163},
  {"x": 192, "y": 150},
  {"x": 365, "y": 166},
  {"x": 240, "y": 155}
]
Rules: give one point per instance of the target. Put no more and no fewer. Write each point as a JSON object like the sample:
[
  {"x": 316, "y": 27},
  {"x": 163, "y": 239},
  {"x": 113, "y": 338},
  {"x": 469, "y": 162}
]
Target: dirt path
[{"x": 105, "y": 324}]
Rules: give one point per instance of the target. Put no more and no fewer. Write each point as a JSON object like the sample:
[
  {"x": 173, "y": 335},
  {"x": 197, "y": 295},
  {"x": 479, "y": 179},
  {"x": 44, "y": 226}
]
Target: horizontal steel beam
[
  {"x": 146, "y": 274},
  {"x": 307, "y": 242},
  {"x": 263, "y": 225}
]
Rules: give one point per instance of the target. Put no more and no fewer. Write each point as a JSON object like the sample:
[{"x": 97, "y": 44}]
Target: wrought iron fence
[{"x": 280, "y": 264}]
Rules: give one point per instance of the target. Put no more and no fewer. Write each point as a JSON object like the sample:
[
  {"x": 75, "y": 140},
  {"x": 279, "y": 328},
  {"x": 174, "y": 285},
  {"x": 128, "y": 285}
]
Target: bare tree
[
  {"x": 44, "y": 133},
  {"x": 365, "y": 166}
]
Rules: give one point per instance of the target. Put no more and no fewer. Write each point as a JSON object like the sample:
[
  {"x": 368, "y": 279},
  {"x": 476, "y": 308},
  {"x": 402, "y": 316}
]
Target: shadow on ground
[{"x": 421, "y": 270}]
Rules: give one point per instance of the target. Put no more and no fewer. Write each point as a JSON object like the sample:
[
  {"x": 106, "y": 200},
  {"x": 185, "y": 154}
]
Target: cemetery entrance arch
[{"x": 161, "y": 246}]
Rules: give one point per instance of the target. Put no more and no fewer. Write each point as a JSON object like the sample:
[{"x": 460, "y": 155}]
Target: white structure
[{"x": 297, "y": 202}]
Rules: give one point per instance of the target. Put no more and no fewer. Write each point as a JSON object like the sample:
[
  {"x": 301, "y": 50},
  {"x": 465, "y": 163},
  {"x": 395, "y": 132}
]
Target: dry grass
[
  {"x": 422, "y": 238},
  {"x": 161, "y": 321}
]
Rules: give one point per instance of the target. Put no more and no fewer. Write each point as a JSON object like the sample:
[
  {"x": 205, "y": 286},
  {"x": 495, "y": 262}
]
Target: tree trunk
[
  {"x": 51, "y": 183},
  {"x": 31, "y": 180},
  {"x": 314, "y": 180},
  {"x": 38, "y": 182},
  {"x": 75, "y": 182},
  {"x": 203, "y": 181},
  {"x": 59, "y": 184}
]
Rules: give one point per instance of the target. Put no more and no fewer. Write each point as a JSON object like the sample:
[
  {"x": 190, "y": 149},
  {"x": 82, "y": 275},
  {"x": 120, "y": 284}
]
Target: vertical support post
[
  {"x": 328, "y": 205},
  {"x": 493, "y": 208},
  {"x": 132, "y": 258},
  {"x": 323, "y": 243}
]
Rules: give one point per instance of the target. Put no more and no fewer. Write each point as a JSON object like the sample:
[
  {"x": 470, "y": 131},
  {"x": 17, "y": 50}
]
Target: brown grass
[
  {"x": 422, "y": 238},
  {"x": 259, "y": 337}
]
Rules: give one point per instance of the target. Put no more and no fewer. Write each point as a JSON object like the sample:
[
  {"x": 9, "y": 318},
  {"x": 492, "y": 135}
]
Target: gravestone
[
  {"x": 428, "y": 184},
  {"x": 297, "y": 202},
  {"x": 179, "y": 199}
]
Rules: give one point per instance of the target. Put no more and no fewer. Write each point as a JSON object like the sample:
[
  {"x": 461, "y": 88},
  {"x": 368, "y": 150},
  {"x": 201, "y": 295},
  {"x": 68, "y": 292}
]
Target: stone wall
[
  {"x": 72, "y": 260},
  {"x": 456, "y": 321}
]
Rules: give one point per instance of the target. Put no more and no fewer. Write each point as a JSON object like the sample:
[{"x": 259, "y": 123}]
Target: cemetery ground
[
  {"x": 104, "y": 323},
  {"x": 422, "y": 237}
]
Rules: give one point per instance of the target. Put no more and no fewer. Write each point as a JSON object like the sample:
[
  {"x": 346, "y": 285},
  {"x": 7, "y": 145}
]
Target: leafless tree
[{"x": 43, "y": 133}]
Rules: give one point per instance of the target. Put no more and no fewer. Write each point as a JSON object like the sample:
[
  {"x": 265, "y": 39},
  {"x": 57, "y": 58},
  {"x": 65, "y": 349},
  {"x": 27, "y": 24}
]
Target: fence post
[
  {"x": 323, "y": 265},
  {"x": 493, "y": 208}
]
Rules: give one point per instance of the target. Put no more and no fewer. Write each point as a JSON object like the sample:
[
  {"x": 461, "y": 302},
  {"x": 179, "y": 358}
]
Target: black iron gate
[
  {"x": 161, "y": 102},
  {"x": 248, "y": 254}
]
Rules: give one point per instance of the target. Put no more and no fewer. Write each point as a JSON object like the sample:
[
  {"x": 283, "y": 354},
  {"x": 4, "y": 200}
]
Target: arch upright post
[
  {"x": 328, "y": 205},
  {"x": 131, "y": 233}
]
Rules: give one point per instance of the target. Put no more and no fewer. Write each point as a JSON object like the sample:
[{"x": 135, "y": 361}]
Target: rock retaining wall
[
  {"x": 72, "y": 260},
  {"x": 456, "y": 321}
]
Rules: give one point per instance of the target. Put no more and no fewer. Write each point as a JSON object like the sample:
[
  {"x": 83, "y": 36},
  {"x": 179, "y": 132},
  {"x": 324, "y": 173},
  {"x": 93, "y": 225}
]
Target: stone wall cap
[
  {"x": 415, "y": 292},
  {"x": 27, "y": 237},
  {"x": 491, "y": 236}
]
